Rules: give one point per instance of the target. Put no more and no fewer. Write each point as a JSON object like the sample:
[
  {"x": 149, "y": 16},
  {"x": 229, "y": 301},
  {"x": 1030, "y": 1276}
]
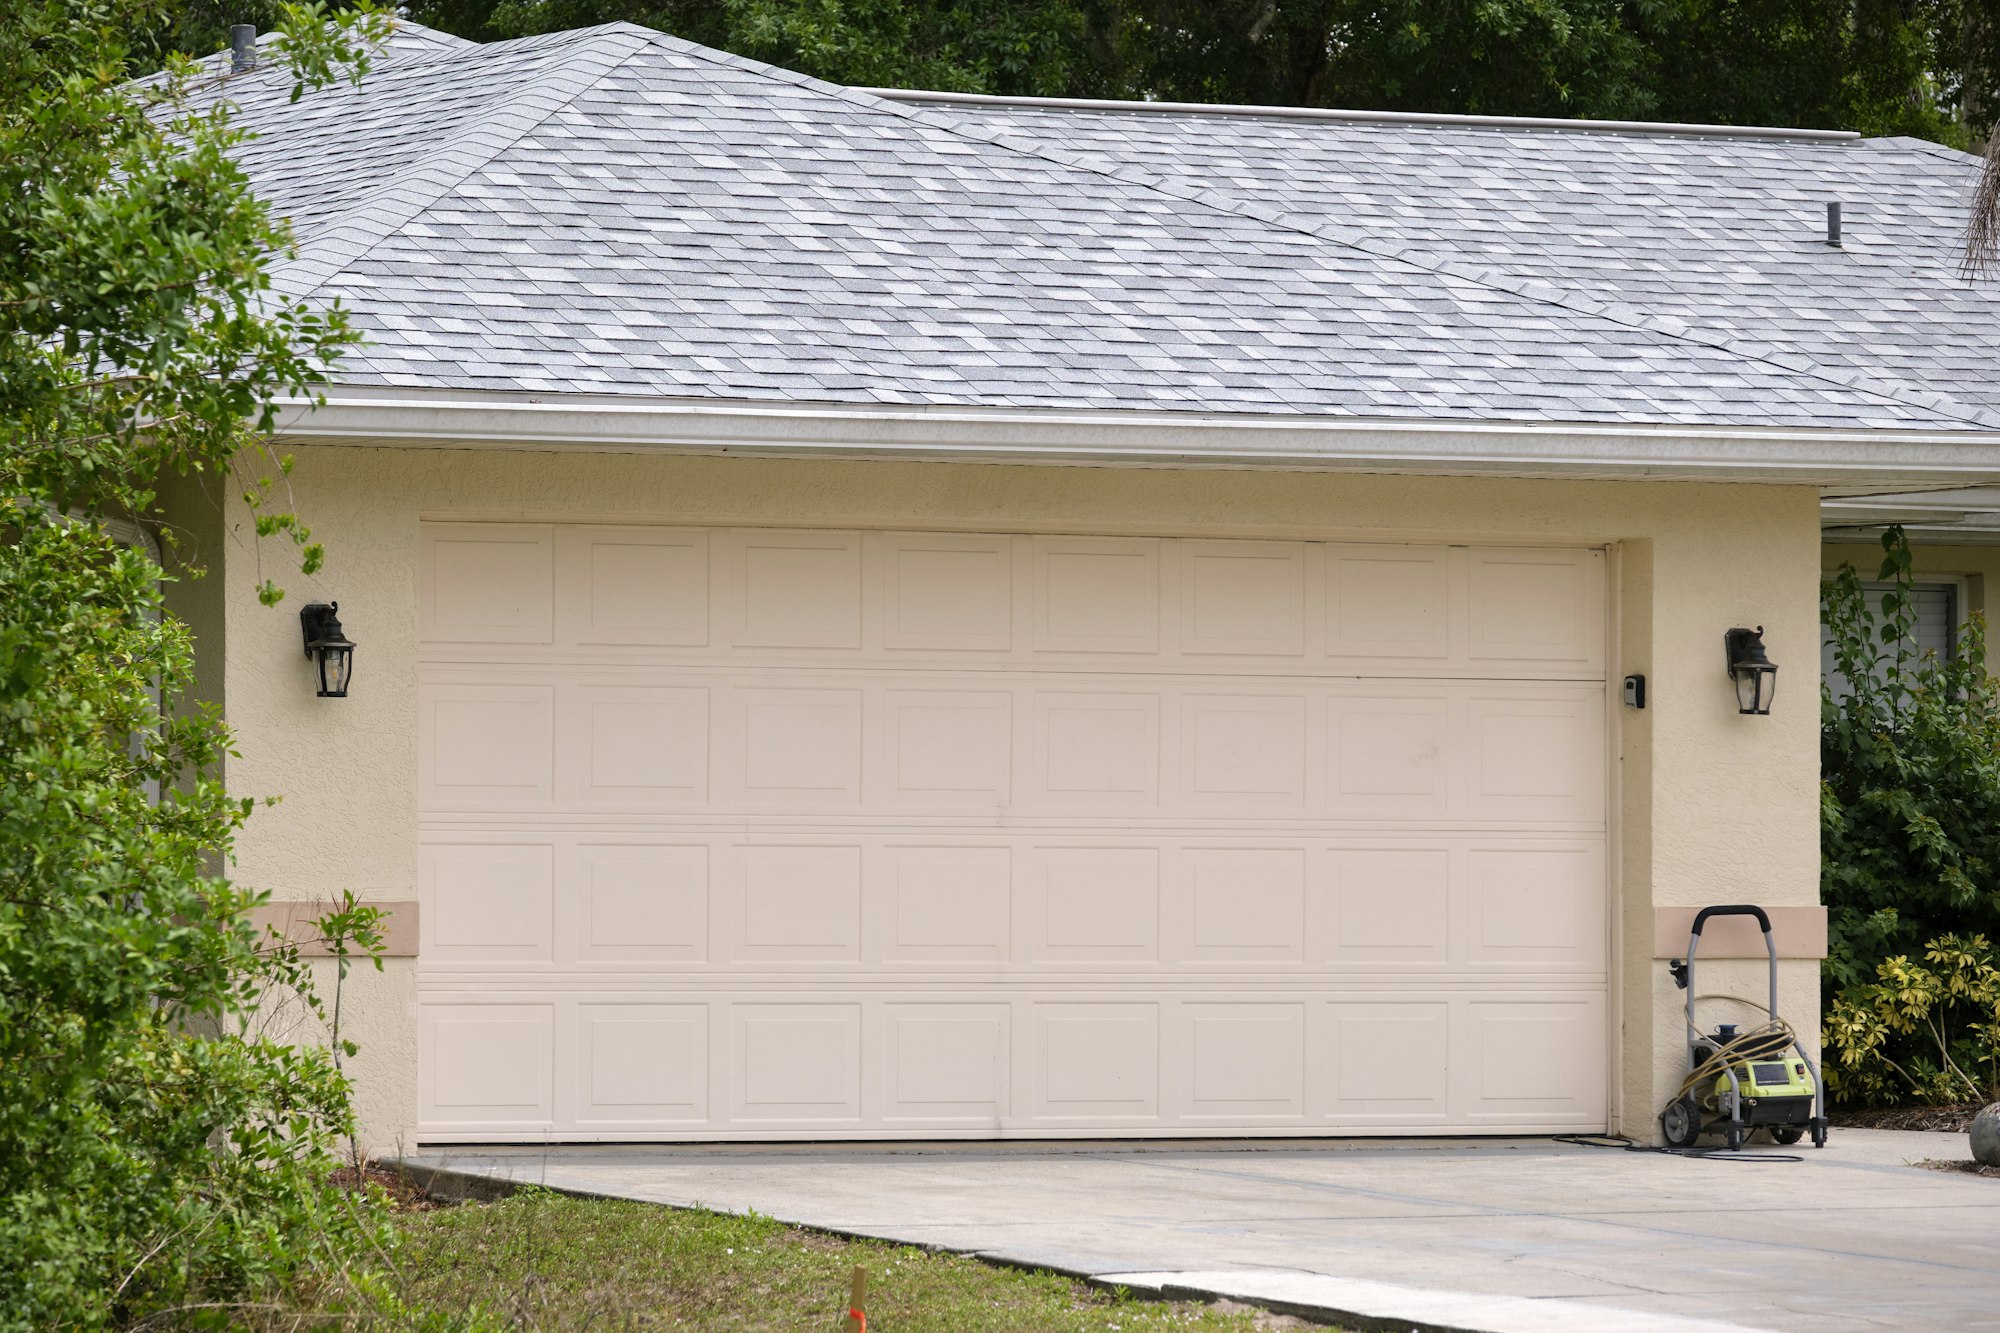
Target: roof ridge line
[
  {"x": 1443, "y": 119},
  {"x": 1525, "y": 288},
  {"x": 344, "y": 237}
]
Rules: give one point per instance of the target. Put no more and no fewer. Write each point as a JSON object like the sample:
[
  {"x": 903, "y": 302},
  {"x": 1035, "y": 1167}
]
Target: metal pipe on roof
[
  {"x": 1833, "y": 223},
  {"x": 242, "y": 46}
]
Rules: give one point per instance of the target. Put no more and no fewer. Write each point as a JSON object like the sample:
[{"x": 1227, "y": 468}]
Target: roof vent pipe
[
  {"x": 1833, "y": 223},
  {"x": 242, "y": 46}
]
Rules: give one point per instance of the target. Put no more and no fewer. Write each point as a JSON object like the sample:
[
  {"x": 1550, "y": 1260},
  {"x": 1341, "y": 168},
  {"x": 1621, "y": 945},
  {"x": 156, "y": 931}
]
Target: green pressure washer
[{"x": 1740, "y": 1082}]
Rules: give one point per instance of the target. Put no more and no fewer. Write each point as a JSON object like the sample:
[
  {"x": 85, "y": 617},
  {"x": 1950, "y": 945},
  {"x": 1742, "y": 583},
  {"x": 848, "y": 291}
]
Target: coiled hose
[{"x": 1771, "y": 1038}]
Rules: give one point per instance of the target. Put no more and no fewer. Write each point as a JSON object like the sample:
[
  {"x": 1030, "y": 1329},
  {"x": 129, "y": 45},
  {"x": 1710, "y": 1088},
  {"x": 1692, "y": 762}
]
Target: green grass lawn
[{"x": 545, "y": 1261}]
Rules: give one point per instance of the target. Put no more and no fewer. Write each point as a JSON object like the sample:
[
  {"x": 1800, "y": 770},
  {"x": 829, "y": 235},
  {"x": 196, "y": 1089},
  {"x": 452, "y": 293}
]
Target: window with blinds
[{"x": 1937, "y": 626}]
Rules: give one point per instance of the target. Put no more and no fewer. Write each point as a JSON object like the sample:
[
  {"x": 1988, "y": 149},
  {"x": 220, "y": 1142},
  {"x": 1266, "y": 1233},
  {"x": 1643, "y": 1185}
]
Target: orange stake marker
[{"x": 857, "y": 1292}]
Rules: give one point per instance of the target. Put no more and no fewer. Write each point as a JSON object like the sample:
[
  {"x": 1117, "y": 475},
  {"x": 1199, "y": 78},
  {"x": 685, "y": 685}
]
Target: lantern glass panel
[{"x": 336, "y": 667}]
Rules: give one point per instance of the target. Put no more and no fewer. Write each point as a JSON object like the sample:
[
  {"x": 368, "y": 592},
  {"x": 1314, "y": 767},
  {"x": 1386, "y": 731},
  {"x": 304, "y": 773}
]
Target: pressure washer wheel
[
  {"x": 1787, "y": 1135},
  {"x": 1681, "y": 1122}
]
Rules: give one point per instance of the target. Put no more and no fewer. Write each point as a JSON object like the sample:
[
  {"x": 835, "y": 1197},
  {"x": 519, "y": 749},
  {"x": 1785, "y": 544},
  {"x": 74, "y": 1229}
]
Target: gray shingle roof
[{"x": 615, "y": 211}]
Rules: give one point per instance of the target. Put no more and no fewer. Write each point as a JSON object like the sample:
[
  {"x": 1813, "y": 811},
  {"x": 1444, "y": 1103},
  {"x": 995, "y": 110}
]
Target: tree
[
  {"x": 155, "y": 1153},
  {"x": 1909, "y": 846}
]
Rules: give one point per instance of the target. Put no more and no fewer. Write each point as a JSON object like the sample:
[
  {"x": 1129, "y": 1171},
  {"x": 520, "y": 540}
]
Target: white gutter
[
  {"x": 1879, "y": 460},
  {"x": 1364, "y": 117}
]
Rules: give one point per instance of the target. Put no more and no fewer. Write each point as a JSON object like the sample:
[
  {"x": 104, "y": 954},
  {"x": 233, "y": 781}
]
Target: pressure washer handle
[{"x": 1740, "y": 909}]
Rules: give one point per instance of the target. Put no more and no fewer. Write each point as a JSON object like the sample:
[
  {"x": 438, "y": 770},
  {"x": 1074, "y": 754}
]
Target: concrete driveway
[{"x": 1500, "y": 1236}]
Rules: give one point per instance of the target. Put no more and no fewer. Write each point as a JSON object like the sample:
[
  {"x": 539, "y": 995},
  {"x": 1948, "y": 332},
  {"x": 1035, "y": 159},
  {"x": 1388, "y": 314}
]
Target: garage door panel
[
  {"x": 839, "y": 834},
  {"x": 638, "y": 902},
  {"x": 796, "y": 1063},
  {"x": 949, "y": 750},
  {"x": 631, "y": 587},
  {"x": 946, "y": 592},
  {"x": 791, "y": 748},
  {"x": 1237, "y": 906},
  {"x": 781, "y": 589},
  {"x": 487, "y": 1066},
  {"x": 486, "y": 583},
  {"x": 1245, "y": 599},
  {"x": 1097, "y": 595},
  {"x": 1091, "y": 906},
  {"x": 1535, "y": 756},
  {"x": 640, "y": 1066},
  {"x": 485, "y": 746},
  {"x": 623, "y": 747},
  {"x": 1529, "y": 606},
  {"x": 1384, "y": 1062},
  {"x": 796, "y": 904},
  {"x": 943, "y": 903},
  {"x": 1096, "y": 1061},
  {"x": 1242, "y": 1062},
  {"x": 1388, "y": 602},
  {"x": 1095, "y": 751},
  {"x": 947, "y": 1064},
  {"x": 486, "y": 903},
  {"x": 1529, "y": 1061}
]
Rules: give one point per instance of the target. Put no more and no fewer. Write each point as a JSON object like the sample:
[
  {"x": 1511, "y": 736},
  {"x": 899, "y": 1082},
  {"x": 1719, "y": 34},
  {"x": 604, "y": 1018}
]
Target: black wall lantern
[
  {"x": 1756, "y": 675},
  {"x": 328, "y": 646}
]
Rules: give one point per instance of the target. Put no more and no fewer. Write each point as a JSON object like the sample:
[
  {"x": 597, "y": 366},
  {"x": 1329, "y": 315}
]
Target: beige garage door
[{"x": 796, "y": 833}]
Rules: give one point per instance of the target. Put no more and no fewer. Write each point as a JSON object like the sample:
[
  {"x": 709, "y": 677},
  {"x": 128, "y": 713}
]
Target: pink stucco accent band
[
  {"x": 293, "y": 920},
  {"x": 1799, "y": 932}
]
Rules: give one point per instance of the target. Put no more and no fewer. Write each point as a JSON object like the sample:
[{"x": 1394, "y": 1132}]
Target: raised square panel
[
  {"x": 1538, "y": 606},
  {"x": 1390, "y": 905},
  {"x": 486, "y": 583},
  {"x": 641, "y": 746},
  {"x": 948, "y": 592},
  {"x": 1246, "y": 904},
  {"x": 1097, "y": 595},
  {"x": 1387, "y": 601},
  {"x": 1244, "y": 750},
  {"x": 642, "y": 1064},
  {"x": 801, "y": 744},
  {"x": 642, "y": 903},
  {"x": 949, "y": 746},
  {"x": 1533, "y": 1062},
  {"x": 634, "y": 587},
  {"x": 1538, "y": 904},
  {"x": 1097, "y": 1061},
  {"x": 1537, "y": 757},
  {"x": 1096, "y": 905},
  {"x": 946, "y": 1062},
  {"x": 948, "y": 903},
  {"x": 485, "y": 747},
  {"x": 1243, "y": 1061},
  {"x": 797, "y": 1062},
  {"x": 492, "y": 903},
  {"x": 1387, "y": 1062},
  {"x": 1244, "y": 598},
  {"x": 800, "y": 903},
  {"x": 1386, "y": 755},
  {"x": 797, "y": 589},
  {"x": 1103, "y": 747},
  {"x": 486, "y": 1065}
]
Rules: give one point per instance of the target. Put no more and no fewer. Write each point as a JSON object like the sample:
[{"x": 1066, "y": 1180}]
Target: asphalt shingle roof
[{"x": 615, "y": 211}]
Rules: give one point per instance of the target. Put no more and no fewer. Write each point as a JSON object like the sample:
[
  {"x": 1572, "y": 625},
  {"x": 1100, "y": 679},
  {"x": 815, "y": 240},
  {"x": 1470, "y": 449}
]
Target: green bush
[
  {"x": 161, "y": 1164},
  {"x": 1909, "y": 846}
]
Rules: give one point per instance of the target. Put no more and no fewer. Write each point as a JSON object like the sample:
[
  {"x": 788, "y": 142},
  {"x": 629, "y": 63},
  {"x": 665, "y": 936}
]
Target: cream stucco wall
[{"x": 1712, "y": 806}]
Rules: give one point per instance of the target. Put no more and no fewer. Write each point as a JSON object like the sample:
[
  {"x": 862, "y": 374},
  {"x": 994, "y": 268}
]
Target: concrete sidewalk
[{"x": 1506, "y": 1236}]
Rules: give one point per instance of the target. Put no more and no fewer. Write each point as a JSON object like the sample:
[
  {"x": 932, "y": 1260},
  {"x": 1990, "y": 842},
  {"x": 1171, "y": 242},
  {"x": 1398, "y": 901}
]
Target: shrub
[
  {"x": 1909, "y": 842},
  {"x": 160, "y": 1162}
]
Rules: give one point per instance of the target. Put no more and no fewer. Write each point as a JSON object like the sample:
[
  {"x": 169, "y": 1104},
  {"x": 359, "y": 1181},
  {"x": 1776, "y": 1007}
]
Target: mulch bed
[
  {"x": 1966, "y": 1168},
  {"x": 1950, "y": 1119},
  {"x": 405, "y": 1194}
]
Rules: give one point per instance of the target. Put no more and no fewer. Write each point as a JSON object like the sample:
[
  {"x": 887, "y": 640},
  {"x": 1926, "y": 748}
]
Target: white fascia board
[{"x": 441, "y": 418}]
